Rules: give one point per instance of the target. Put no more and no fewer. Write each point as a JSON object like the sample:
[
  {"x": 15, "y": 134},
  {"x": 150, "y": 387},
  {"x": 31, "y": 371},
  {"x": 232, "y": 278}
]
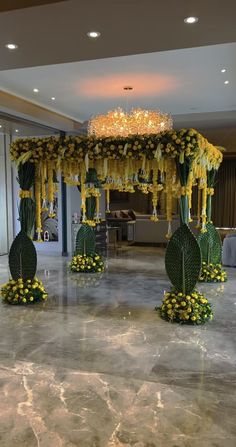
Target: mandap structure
[{"x": 172, "y": 161}]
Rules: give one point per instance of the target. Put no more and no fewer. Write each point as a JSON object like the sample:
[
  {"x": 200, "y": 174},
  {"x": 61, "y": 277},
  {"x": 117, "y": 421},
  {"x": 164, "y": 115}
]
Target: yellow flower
[
  {"x": 24, "y": 300},
  {"x": 193, "y": 318},
  {"x": 31, "y": 298}
]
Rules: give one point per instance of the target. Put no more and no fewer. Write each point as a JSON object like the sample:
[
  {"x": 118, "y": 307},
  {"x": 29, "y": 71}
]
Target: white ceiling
[
  {"x": 56, "y": 33},
  {"x": 187, "y": 81}
]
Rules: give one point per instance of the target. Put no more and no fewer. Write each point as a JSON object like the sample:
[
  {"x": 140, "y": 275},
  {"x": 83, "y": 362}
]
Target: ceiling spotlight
[
  {"x": 16, "y": 130},
  {"x": 36, "y": 90},
  {"x": 226, "y": 82},
  {"x": 223, "y": 70},
  {"x": 93, "y": 34},
  {"x": 191, "y": 20},
  {"x": 0, "y": 126},
  {"x": 53, "y": 98},
  {"x": 11, "y": 46}
]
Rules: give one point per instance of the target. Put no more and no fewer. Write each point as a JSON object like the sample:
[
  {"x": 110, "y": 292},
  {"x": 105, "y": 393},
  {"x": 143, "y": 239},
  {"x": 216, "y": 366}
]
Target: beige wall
[{"x": 221, "y": 136}]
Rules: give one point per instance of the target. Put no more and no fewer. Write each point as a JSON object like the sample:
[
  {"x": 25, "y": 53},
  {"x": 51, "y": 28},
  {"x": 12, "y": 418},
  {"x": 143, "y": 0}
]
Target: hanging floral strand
[{"x": 38, "y": 203}]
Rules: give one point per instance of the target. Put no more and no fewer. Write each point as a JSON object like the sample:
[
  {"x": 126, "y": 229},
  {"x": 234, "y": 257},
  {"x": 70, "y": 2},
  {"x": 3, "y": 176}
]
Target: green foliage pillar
[{"x": 26, "y": 177}]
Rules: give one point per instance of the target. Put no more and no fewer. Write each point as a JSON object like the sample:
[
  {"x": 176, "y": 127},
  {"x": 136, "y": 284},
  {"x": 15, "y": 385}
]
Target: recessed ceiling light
[
  {"x": 11, "y": 46},
  {"x": 226, "y": 82},
  {"x": 36, "y": 90},
  {"x": 223, "y": 70},
  {"x": 93, "y": 34},
  {"x": 0, "y": 126},
  {"x": 191, "y": 20},
  {"x": 16, "y": 130},
  {"x": 53, "y": 98}
]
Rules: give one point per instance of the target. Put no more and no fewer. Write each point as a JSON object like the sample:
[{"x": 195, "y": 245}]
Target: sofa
[
  {"x": 137, "y": 228},
  {"x": 142, "y": 230}
]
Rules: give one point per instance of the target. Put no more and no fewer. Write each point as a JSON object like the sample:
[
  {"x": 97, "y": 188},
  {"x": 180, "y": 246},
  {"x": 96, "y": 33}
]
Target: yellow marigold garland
[{"x": 38, "y": 208}]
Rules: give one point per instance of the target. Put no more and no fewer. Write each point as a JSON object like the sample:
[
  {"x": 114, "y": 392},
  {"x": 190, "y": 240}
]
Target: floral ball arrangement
[
  {"x": 192, "y": 308},
  {"x": 87, "y": 264},
  {"x": 212, "y": 273},
  {"x": 23, "y": 291}
]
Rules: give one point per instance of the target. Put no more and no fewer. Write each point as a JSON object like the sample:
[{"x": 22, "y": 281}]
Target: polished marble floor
[{"x": 95, "y": 366}]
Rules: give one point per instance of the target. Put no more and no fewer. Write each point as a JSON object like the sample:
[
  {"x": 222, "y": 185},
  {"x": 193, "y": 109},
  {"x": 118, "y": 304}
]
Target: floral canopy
[{"x": 149, "y": 162}]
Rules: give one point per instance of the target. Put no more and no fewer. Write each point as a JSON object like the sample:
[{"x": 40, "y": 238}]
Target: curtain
[{"x": 224, "y": 199}]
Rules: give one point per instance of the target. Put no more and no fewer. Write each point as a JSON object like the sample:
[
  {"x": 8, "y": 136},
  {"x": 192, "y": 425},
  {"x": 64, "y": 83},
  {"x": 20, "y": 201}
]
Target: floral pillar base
[
  {"x": 192, "y": 308},
  {"x": 22, "y": 291}
]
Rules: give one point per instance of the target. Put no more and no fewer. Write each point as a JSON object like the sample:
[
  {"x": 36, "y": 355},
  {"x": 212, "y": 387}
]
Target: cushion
[
  {"x": 124, "y": 214},
  {"x": 131, "y": 214}
]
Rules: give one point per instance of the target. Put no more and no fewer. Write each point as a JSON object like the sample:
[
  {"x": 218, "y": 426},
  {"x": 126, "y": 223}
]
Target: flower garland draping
[{"x": 147, "y": 162}]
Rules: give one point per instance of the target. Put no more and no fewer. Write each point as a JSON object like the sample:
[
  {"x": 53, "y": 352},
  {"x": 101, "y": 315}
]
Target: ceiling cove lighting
[
  {"x": 190, "y": 20},
  {"x": 11, "y": 46},
  {"x": 35, "y": 90},
  {"x": 137, "y": 122},
  {"x": 93, "y": 34}
]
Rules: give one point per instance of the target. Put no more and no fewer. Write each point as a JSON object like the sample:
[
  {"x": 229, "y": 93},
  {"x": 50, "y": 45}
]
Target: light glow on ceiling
[
  {"x": 190, "y": 20},
  {"x": 93, "y": 34},
  {"x": 11, "y": 46}
]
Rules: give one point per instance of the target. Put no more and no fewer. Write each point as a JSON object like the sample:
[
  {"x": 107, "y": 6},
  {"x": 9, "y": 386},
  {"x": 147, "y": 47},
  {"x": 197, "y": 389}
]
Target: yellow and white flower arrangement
[
  {"x": 87, "y": 264},
  {"x": 212, "y": 273},
  {"x": 172, "y": 143},
  {"x": 23, "y": 291},
  {"x": 192, "y": 308}
]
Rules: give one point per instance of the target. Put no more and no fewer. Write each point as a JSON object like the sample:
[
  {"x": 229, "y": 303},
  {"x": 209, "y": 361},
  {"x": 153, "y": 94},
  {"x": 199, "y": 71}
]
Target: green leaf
[
  {"x": 183, "y": 260},
  {"x": 210, "y": 245},
  {"x": 27, "y": 215},
  {"x": 85, "y": 241},
  {"x": 22, "y": 257},
  {"x": 90, "y": 207}
]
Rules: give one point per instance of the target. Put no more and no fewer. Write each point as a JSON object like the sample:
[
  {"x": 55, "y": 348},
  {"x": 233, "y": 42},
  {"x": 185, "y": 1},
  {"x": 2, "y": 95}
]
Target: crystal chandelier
[{"x": 138, "y": 122}]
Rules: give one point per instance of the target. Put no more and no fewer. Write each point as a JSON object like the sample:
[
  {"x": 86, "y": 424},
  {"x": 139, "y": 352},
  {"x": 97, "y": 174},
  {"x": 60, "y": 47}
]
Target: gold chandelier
[{"x": 138, "y": 122}]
